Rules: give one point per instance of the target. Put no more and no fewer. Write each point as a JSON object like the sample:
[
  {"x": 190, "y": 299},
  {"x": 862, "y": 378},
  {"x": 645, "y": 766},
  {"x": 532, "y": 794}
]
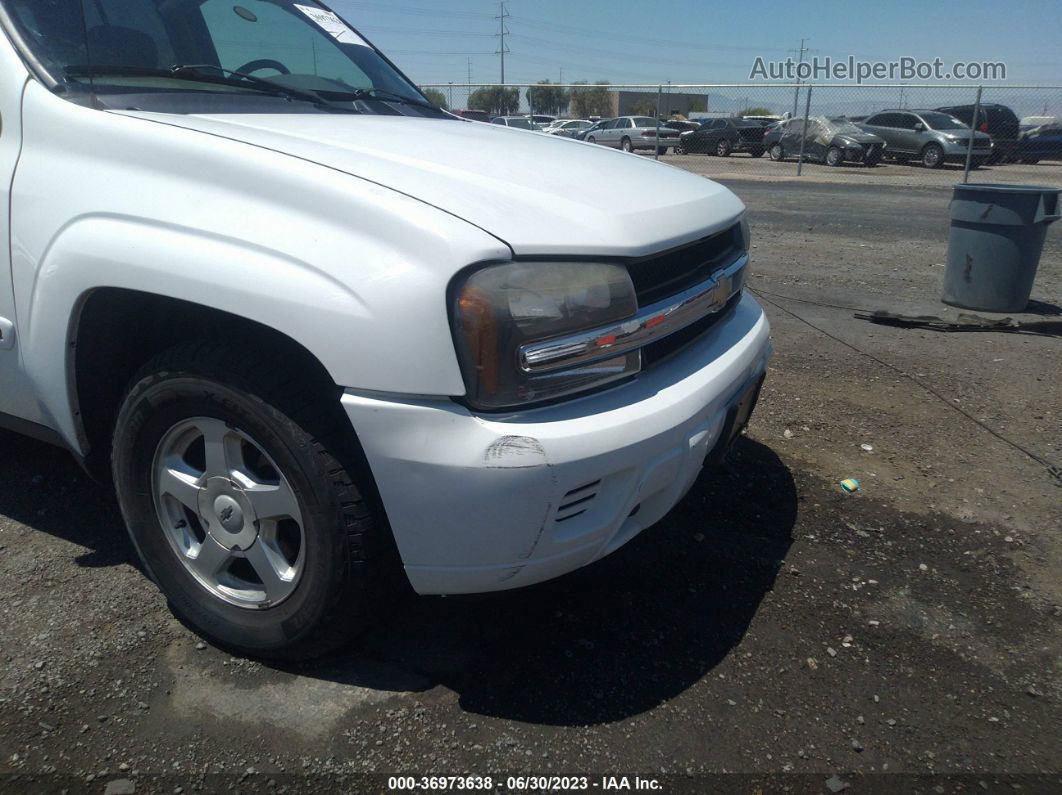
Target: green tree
[
  {"x": 547, "y": 98},
  {"x": 756, "y": 112},
  {"x": 496, "y": 100},
  {"x": 590, "y": 101},
  {"x": 436, "y": 98}
]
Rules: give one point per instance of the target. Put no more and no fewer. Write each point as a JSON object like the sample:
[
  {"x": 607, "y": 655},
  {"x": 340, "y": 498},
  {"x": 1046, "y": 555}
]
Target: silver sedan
[{"x": 634, "y": 132}]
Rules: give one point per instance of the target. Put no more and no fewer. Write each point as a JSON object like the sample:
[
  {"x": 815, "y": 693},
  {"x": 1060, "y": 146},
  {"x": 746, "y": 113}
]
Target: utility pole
[
  {"x": 502, "y": 33},
  {"x": 796, "y": 96}
]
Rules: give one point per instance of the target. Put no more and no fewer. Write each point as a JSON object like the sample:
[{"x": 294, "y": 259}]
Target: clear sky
[{"x": 694, "y": 41}]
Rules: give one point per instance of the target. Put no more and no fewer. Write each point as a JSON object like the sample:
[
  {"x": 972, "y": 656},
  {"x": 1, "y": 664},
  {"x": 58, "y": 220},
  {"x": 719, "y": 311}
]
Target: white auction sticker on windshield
[{"x": 333, "y": 25}]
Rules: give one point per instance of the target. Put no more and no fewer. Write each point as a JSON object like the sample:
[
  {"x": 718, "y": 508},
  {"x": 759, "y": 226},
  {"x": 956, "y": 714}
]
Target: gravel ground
[{"x": 772, "y": 628}]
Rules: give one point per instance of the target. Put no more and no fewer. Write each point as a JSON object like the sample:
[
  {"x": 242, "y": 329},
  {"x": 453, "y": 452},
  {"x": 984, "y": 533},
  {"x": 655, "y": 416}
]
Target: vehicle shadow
[
  {"x": 44, "y": 489},
  {"x": 614, "y": 639},
  {"x": 601, "y": 644}
]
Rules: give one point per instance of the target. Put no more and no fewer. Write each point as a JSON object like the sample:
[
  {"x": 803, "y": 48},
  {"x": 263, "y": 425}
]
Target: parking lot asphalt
[{"x": 772, "y": 625}]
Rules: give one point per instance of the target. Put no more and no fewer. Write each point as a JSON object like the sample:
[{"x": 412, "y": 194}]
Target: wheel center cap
[{"x": 229, "y": 513}]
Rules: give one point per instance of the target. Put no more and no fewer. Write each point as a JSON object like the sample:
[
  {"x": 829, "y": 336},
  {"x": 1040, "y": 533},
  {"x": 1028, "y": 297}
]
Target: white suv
[{"x": 317, "y": 331}]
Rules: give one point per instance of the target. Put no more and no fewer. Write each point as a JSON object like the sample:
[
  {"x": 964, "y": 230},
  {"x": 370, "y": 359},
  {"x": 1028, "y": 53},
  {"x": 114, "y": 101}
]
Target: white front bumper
[{"x": 477, "y": 502}]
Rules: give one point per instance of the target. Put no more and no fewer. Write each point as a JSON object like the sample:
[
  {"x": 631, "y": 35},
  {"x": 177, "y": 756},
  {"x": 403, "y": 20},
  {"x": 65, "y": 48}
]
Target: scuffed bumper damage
[{"x": 484, "y": 503}]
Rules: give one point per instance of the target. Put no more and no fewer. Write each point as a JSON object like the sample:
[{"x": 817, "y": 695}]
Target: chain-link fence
[{"x": 878, "y": 134}]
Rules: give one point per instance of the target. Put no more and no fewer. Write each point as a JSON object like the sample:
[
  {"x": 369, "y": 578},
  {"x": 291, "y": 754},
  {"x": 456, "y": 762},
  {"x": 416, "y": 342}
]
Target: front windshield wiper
[
  {"x": 391, "y": 96},
  {"x": 194, "y": 74},
  {"x": 193, "y": 71}
]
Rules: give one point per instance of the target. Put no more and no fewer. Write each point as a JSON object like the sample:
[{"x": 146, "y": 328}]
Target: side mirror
[{"x": 919, "y": 127}]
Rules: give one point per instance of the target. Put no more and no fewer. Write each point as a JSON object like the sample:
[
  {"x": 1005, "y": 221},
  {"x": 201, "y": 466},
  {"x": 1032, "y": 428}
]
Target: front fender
[{"x": 352, "y": 271}]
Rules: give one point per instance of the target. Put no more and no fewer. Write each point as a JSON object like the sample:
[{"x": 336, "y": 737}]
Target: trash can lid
[{"x": 996, "y": 187}]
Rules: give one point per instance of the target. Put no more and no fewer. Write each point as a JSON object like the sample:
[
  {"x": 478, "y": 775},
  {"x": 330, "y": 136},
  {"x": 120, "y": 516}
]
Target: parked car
[
  {"x": 472, "y": 115},
  {"x": 1041, "y": 143},
  {"x": 929, "y": 136},
  {"x": 998, "y": 121},
  {"x": 1027, "y": 123},
  {"x": 318, "y": 333},
  {"x": 568, "y": 128},
  {"x": 633, "y": 132},
  {"x": 541, "y": 121},
  {"x": 831, "y": 141},
  {"x": 519, "y": 122},
  {"x": 723, "y": 136}
]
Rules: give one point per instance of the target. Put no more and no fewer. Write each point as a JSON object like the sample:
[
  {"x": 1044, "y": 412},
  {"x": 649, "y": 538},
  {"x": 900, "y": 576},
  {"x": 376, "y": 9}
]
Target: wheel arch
[{"x": 114, "y": 331}]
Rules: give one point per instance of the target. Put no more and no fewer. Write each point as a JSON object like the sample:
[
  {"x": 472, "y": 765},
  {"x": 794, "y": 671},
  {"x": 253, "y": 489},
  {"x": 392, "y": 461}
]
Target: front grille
[
  {"x": 662, "y": 275},
  {"x": 656, "y": 352}
]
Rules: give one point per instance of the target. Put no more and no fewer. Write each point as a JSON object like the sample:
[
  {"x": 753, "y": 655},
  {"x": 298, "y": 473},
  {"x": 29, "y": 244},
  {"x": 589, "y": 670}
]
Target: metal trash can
[{"x": 997, "y": 234}]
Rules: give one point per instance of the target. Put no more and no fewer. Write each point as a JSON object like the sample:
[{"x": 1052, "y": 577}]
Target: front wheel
[
  {"x": 591, "y": 140},
  {"x": 776, "y": 153},
  {"x": 626, "y": 145},
  {"x": 834, "y": 156},
  {"x": 933, "y": 156},
  {"x": 723, "y": 148},
  {"x": 661, "y": 150},
  {"x": 244, "y": 496}
]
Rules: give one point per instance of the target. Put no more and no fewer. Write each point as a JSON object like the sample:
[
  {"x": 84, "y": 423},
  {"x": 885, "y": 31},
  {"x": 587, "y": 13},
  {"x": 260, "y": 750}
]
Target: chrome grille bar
[{"x": 651, "y": 323}]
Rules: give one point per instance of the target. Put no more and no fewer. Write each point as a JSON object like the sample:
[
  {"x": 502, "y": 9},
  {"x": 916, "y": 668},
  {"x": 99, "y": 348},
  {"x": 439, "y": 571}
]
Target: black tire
[
  {"x": 932, "y": 156},
  {"x": 723, "y": 148},
  {"x": 626, "y": 145},
  {"x": 977, "y": 162},
  {"x": 756, "y": 153},
  {"x": 661, "y": 150},
  {"x": 872, "y": 161},
  {"x": 591, "y": 140},
  {"x": 679, "y": 149},
  {"x": 834, "y": 156},
  {"x": 1030, "y": 161},
  {"x": 350, "y": 560},
  {"x": 776, "y": 153}
]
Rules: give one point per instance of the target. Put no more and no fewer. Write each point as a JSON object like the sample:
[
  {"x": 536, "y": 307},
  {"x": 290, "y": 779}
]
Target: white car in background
[{"x": 568, "y": 128}]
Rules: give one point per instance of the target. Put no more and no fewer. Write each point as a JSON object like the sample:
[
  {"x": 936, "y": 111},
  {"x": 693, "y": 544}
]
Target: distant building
[{"x": 633, "y": 103}]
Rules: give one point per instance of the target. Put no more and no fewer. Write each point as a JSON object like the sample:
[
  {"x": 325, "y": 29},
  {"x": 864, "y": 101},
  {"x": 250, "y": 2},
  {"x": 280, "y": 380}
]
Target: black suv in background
[{"x": 999, "y": 121}]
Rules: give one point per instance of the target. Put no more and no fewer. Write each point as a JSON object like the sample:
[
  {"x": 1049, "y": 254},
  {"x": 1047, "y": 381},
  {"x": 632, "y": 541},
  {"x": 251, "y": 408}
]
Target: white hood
[{"x": 539, "y": 193}]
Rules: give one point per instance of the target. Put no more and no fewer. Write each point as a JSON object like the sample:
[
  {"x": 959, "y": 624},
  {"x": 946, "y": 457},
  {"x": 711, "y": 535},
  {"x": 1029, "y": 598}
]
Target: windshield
[
  {"x": 522, "y": 123},
  {"x": 230, "y": 49},
  {"x": 942, "y": 121}
]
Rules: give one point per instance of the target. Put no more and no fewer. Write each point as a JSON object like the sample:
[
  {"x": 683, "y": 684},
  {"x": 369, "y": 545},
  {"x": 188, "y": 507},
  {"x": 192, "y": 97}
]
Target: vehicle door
[
  {"x": 816, "y": 140},
  {"x": 607, "y": 129},
  {"x": 886, "y": 125},
  {"x": 623, "y": 129},
  {"x": 15, "y": 393},
  {"x": 794, "y": 131},
  {"x": 714, "y": 133},
  {"x": 913, "y": 133}
]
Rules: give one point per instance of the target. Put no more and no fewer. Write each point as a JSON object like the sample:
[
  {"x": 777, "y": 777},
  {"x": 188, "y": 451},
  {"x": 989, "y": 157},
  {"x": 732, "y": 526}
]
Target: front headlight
[{"x": 500, "y": 308}]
